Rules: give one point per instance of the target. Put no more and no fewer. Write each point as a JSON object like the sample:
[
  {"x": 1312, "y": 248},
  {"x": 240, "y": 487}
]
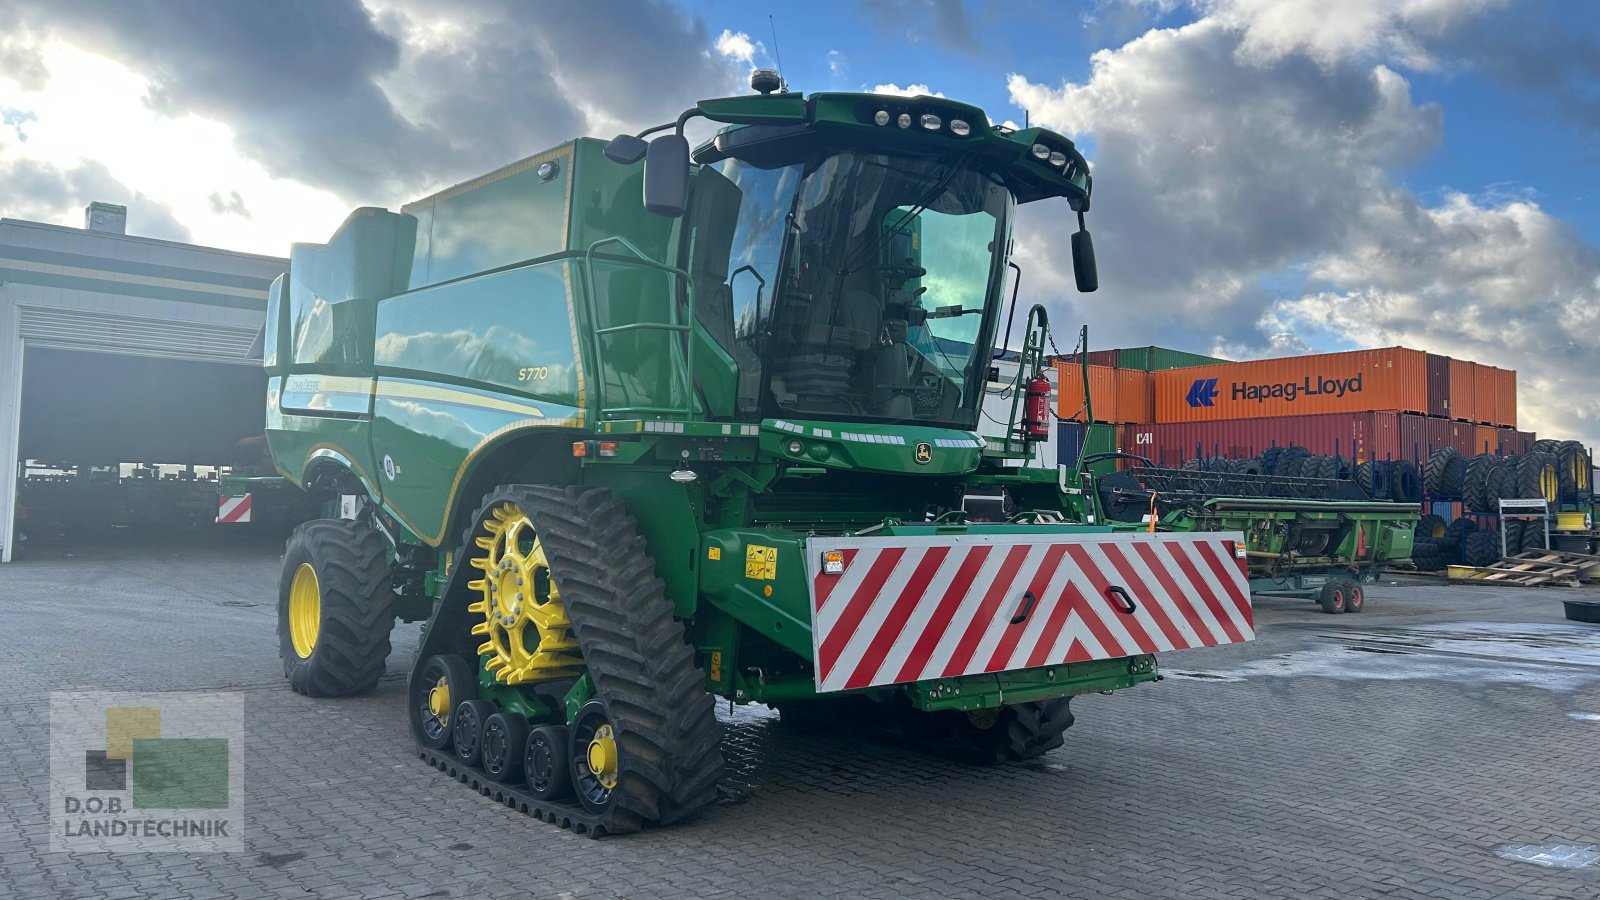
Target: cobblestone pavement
[{"x": 1425, "y": 748}]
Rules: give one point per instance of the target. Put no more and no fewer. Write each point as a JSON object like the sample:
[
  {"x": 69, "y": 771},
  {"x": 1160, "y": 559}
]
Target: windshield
[{"x": 863, "y": 286}]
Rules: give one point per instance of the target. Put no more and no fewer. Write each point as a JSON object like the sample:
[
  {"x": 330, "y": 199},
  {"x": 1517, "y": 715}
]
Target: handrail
[{"x": 679, "y": 321}]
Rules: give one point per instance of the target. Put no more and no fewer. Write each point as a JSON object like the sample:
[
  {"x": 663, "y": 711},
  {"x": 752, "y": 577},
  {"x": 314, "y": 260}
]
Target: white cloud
[
  {"x": 1248, "y": 201},
  {"x": 736, "y": 45},
  {"x": 91, "y": 111},
  {"x": 910, "y": 90}
]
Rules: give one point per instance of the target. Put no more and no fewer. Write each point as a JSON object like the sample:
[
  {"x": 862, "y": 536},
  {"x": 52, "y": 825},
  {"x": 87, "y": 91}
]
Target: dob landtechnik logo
[{"x": 142, "y": 773}]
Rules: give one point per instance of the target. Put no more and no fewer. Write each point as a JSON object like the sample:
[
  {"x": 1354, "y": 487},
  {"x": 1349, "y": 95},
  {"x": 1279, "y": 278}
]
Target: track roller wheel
[
  {"x": 545, "y": 762},
  {"x": 467, "y": 730},
  {"x": 441, "y": 684},
  {"x": 505, "y": 737},
  {"x": 334, "y": 608},
  {"x": 594, "y": 757},
  {"x": 1355, "y": 596},
  {"x": 1333, "y": 598}
]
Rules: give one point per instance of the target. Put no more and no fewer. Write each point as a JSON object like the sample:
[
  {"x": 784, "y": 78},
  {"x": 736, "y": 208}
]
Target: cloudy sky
[{"x": 1271, "y": 176}]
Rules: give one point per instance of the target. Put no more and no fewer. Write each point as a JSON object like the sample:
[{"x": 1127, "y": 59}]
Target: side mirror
[
  {"x": 1083, "y": 266},
  {"x": 666, "y": 176},
  {"x": 625, "y": 149}
]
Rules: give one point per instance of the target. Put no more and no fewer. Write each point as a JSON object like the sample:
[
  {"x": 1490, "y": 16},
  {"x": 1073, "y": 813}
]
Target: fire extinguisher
[{"x": 1036, "y": 409}]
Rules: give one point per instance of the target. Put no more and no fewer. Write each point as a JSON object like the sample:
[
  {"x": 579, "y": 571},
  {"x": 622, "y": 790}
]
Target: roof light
[
  {"x": 960, "y": 128},
  {"x": 796, "y": 448},
  {"x": 1040, "y": 151},
  {"x": 1058, "y": 158},
  {"x": 931, "y": 121},
  {"x": 904, "y": 120},
  {"x": 881, "y": 117}
]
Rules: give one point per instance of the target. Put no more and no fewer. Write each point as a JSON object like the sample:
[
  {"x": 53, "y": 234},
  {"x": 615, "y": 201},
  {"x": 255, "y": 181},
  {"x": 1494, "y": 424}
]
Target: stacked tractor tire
[{"x": 1555, "y": 471}]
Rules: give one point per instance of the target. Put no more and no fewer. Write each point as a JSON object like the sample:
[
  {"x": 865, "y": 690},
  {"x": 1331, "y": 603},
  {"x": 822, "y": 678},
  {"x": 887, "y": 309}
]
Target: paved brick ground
[{"x": 1387, "y": 754}]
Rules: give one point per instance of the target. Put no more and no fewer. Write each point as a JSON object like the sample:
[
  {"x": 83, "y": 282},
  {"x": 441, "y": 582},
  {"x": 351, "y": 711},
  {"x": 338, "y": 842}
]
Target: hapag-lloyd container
[
  {"x": 1102, "y": 389},
  {"x": 1486, "y": 387},
  {"x": 1463, "y": 391},
  {"x": 1505, "y": 397},
  {"x": 1393, "y": 378},
  {"x": 1438, "y": 385}
]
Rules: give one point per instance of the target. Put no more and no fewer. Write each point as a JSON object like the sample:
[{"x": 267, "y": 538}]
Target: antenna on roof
[{"x": 776, "y": 54}]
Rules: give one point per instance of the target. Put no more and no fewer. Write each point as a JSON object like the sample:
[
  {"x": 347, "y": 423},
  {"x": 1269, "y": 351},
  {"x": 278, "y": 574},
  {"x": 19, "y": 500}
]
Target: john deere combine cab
[{"x": 629, "y": 427}]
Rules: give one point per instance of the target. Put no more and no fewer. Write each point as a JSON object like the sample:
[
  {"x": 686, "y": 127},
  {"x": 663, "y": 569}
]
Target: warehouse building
[{"x": 118, "y": 349}]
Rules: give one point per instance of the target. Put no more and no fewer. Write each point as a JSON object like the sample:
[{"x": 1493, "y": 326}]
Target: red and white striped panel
[
  {"x": 914, "y": 608},
  {"x": 233, "y": 510}
]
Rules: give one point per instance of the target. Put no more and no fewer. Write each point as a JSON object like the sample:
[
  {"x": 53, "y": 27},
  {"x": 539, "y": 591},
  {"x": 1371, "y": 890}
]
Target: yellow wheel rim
[
  {"x": 1549, "y": 483},
  {"x": 527, "y": 635},
  {"x": 984, "y": 719},
  {"x": 603, "y": 756},
  {"x": 305, "y": 610}
]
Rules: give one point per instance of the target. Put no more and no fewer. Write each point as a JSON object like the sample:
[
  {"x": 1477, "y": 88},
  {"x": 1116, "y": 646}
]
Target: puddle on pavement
[
  {"x": 1554, "y": 657},
  {"x": 1552, "y": 856}
]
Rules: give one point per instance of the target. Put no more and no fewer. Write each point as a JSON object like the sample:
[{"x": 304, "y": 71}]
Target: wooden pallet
[{"x": 1532, "y": 568}]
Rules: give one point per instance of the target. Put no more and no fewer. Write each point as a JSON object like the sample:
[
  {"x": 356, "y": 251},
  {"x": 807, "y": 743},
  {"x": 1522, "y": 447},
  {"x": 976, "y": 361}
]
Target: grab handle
[
  {"x": 1028, "y": 600},
  {"x": 1117, "y": 592}
]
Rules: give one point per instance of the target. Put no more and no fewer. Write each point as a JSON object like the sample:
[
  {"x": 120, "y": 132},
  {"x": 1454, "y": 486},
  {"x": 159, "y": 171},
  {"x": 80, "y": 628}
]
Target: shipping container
[
  {"x": 1155, "y": 359},
  {"x": 1463, "y": 391},
  {"x": 1107, "y": 358},
  {"x": 1102, "y": 390},
  {"x": 1514, "y": 442},
  {"x": 1420, "y": 436},
  {"x": 1486, "y": 389},
  {"x": 1136, "y": 399},
  {"x": 1438, "y": 385},
  {"x": 1355, "y": 436},
  {"x": 1485, "y": 439},
  {"x": 1359, "y": 381},
  {"x": 1070, "y": 444},
  {"x": 1506, "y": 397}
]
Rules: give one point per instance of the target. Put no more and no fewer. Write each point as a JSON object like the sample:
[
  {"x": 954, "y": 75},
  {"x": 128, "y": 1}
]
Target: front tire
[{"x": 335, "y": 608}]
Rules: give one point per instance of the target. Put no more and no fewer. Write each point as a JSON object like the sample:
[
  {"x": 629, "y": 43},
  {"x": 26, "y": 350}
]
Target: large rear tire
[
  {"x": 335, "y": 608},
  {"x": 663, "y": 728},
  {"x": 989, "y": 737}
]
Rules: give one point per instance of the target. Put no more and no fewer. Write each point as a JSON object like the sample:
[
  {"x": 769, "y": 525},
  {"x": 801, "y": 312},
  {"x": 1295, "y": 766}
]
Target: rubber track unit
[
  {"x": 357, "y": 608},
  {"x": 567, "y": 814},
  {"x": 632, "y": 646}
]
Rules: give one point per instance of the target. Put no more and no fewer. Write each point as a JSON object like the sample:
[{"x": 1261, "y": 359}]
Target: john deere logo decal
[{"x": 924, "y": 453}]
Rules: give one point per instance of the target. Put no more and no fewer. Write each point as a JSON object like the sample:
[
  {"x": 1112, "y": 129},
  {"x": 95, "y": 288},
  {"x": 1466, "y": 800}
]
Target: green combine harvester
[{"x": 630, "y": 427}]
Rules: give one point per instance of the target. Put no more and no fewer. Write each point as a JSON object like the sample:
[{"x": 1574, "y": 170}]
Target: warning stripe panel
[
  {"x": 913, "y": 608},
  {"x": 233, "y": 510}
]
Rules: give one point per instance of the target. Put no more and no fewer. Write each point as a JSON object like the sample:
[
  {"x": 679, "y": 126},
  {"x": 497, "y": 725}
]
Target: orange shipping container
[
  {"x": 1505, "y": 397},
  {"x": 1486, "y": 439},
  {"x": 1486, "y": 385},
  {"x": 1136, "y": 399},
  {"x": 1359, "y": 381},
  {"x": 1463, "y": 391},
  {"x": 1102, "y": 388}
]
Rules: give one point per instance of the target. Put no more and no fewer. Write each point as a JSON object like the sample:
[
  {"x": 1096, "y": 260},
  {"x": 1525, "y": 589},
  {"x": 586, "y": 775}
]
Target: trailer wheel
[
  {"x": 335, "y": 608},
  {"x": 1333, "y": 598},
  {"x": 1355, "y": 596},
  {"x": 661, "y": 754},
  {"x": 441, "y": 684}
]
